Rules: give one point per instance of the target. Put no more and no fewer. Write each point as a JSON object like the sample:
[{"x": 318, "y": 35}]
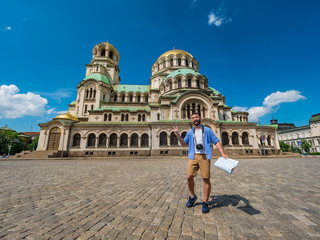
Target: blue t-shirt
[{"x": 208, "y": 137}]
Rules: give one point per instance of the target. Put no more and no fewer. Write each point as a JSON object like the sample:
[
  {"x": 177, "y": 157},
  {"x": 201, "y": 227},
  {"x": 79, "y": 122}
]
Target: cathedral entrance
[{"x": 54, "y": 138}]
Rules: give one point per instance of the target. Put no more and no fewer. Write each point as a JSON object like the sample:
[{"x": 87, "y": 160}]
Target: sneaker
[
  {"x": 191, "y": 201},
  {"x": 205, "y": 207}
]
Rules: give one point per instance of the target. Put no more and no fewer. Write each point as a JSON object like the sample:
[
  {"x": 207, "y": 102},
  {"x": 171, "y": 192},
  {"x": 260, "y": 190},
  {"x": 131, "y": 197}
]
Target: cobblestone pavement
[{"x": 145, "y": 199}]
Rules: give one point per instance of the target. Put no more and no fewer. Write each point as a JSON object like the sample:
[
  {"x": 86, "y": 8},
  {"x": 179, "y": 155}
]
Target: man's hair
[{"x": 196, "y": 112}]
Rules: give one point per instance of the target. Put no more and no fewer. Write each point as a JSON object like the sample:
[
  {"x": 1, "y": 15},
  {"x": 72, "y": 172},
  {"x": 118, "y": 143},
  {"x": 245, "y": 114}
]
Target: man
[{"x": 199, "y": 139}]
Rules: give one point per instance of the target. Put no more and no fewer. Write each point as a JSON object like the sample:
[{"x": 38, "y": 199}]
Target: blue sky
[{"x": 264, "y": 56}]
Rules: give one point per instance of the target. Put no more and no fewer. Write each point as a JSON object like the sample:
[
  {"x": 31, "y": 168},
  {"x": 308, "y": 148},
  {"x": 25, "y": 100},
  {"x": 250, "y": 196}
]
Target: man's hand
[
  {"x": 176, "y": 131},
  {"x": 225, "y": 156}
]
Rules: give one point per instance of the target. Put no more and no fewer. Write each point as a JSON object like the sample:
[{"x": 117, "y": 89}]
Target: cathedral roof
[
  {"x": 131, "y": 88},
  {"x": 175, "y": 52},
  {"x": 98, "y": 77},
  {"x": 66, "y": 116},
  {"x": 315, "y": 118},
  {"x": 182, "y": 71}
]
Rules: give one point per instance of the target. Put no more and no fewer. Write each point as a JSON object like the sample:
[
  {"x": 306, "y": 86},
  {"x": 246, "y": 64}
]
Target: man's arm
[
  {"x": 220, "y": 148},
  {"x": 181, "y": 140}
]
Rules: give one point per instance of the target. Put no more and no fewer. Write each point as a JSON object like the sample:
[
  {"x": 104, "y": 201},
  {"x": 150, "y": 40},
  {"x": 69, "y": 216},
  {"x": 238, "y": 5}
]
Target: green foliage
[
  {"x": 306, "y": 146},
  {"x": 296, "y": 150},
  {"x": 315, "y": 153},
  {"x": 10, "y": 140},
  {"x": 33, "y": 144},
  {"x": 284, "y": 147}
]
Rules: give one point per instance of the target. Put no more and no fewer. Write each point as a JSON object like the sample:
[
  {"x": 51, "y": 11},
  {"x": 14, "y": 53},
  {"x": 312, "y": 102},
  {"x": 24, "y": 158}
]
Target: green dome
[
  {"x": 98, "y": 77},
  {"x": 183, "y": 71}
]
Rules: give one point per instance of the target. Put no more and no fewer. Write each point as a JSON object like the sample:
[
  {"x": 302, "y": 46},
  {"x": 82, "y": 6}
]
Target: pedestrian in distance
[{"x": 199, "y": 139}]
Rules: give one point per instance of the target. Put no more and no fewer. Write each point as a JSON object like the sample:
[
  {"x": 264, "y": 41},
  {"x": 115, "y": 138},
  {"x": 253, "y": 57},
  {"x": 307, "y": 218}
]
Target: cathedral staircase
[{"x": 37, "y": 154}]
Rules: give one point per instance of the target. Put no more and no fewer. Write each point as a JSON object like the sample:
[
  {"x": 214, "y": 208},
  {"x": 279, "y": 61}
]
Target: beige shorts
[{"x": 200, "y": 161}]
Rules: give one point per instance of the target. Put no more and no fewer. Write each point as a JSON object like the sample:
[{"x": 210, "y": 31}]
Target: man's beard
[{"x": 197, "y": 123}]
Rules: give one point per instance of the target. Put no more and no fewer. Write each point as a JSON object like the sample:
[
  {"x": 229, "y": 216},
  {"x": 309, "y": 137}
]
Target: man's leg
[
  {"x": 190, "y": 184},
  {"x": 206, "y": 189}
]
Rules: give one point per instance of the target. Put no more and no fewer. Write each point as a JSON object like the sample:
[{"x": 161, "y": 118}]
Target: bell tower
[{"x": 106, "y": 55}]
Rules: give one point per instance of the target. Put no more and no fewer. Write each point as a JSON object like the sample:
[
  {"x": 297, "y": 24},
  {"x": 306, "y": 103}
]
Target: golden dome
[
  {"x": 175, "y": 52},
  {"x": 67, "y": 116}
]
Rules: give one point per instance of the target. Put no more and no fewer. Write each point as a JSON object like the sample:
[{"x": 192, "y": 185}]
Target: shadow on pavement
[{"x": 234, "y": 200}]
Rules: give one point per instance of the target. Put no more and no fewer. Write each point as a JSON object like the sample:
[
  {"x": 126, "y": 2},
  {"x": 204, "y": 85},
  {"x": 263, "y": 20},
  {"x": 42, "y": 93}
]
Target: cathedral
[{"x": 113, "y": 119}]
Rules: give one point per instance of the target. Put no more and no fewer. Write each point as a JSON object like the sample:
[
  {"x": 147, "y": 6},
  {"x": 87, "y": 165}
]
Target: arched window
[
  {"x": 235, "y": 138},
  {"x": 92, "y": 140},
  {"x": 139, "y": 117},
  {"x": 183, "y": 135},
  {"x": 143, "y": 117},
  {"x": 179, "y": 62},
  {"x": 225, "y": 139},
  {"x": 158, "y": 116},
  {"x": 198, "y": 84},
  {"x": 269, "y": 140},
  {"x": 179, "y": 83},
  {"x": 113, "y": 140},
  {"x": 163, "y": 139},
  {"x": 170, "y": 86},
  {"x": 115, "y": 98},
  {"x": 103, "y": 52},
  {"x": 146, "y": 98},
  {"x": 173, "y": 139},
  {"x": 171, "y": 62},
  {"x": 102, "y": 140},
  {"x": 105, "y": 117},
  {"x": 127, "y": 117},
  {"x": 111, "y": 54},
  {"x": 164, "y": 64},
  {"x": 104, "y": 97},
  {"x": 91, "y": 107},
  {"x": 187, "y": 63},
  {"x": 192, "y": 65},
  {"x": 123, "y": 98},
  {"x": 134, "y": 140},
  {"x": 124, "y": 140},
  {"x": 87, "y": 93},
  {"x": 145, "y": 140},
  {"x": 189, "y": 83},
  {"x": 138, "y": 98},
  {"x": 110, "y": 117},
  {"x": 76, "y": 140},
  {"x": 245, "y": 138},
  {"x": 90, "y": 92},
  {"x": 85, "y": 109},
  {"x": 131, "y": 98},
  {"x": 122, "y": 117}
]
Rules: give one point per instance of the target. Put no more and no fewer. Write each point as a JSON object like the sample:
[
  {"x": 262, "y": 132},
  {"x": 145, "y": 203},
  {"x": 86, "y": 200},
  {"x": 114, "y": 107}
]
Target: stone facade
[
  {"x": 310, "y": 133},
  {"x": 113, "y": 119}
]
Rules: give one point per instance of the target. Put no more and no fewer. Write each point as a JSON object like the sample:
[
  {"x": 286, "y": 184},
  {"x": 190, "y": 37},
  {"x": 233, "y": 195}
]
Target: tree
[
  {"x": 284, "y": 147},
  {"x": 306, "y": 146},
  {"x": 33, "y": 144},
  {"x": 10, "y": 140}
]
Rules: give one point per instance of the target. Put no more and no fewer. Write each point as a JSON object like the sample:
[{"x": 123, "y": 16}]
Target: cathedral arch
[
  {"x": 76, "y": 140},
  {"x": 91, "y": 140},
  {"x": 245, "y": 138},
  {"x": 124, "y": 140},
  {"x": 134, "y": 140},
  {"x": 235, "y": 138},
  {"x": 113, "y": 141},
  {"x": 54, "y": 138},
  {"x": 173, "y": 139},
  {"x": 186, "y": 100},
  {"x": 225, "y": 138},
  {"x": 102, "y": 140},
  {"x": 145, "y": 140},
  {"x": 163, "y": 139}
]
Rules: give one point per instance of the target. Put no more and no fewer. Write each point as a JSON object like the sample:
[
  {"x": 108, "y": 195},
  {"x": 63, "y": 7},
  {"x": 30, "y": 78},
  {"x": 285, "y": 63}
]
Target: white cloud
[
  {"x": 276, "y": 98},
  {"x": 53, "y": 111},
  {"x": 270, "y": 104},
  {"x": 218, "y": 18},
  {"x": 7, "y": 28},
  {"x": 15, "y": 105}
]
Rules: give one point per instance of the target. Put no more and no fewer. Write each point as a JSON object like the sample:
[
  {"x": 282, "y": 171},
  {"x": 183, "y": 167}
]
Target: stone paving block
[{"x": 269, "y": 198}]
